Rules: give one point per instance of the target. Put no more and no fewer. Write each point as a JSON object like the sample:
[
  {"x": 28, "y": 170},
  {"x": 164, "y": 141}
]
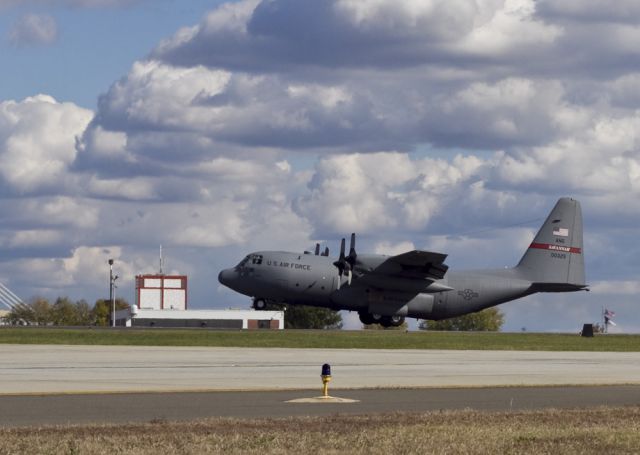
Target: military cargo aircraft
[{"x": 416, "y": 284}]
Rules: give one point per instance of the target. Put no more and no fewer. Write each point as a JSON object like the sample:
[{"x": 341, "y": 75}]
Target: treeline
[
  {"x": 63, "y": 312},
  {"x": 488, "y": 320}
]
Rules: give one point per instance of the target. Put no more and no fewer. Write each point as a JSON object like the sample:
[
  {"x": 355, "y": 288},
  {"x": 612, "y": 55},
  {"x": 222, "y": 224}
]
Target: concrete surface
[{"x": 81, "y": 369}]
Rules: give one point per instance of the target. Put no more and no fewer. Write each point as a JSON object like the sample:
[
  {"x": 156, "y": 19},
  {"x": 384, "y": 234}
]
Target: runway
[
  {"x": 80, "y": 384},
  {"x": 82, "y": 369}
]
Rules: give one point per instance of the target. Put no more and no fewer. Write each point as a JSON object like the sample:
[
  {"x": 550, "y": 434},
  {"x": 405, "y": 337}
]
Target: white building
[
  {"x": 161, "y": 292},
  {"x": 215, "y": 319}
]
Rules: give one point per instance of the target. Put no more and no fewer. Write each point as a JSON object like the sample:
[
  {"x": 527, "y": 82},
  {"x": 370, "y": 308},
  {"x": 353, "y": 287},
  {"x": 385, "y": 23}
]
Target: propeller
[
  {"x": 345, "y": 264},
  {"x": 351, "y": 259}
]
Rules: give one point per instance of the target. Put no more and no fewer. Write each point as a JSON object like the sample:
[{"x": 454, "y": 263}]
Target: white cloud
[
  {"x": 37, "y": 141},
  {"x": 65, "y": 211},
  {"x": 442, "y": 19},
  {"x": 613, "y": 287},
  {"x": 589, "y": 11},
  {"x": 33, "y": 30},
  {"x": 160, "y": 95},
  {"x": 609, "y": 159},
  {"x": 86, "y": 266},
  {"x": 139, "y": 188},
  {"x": 33, "y": 238},
  {"x": 70, "y": 3},
  {"x": 346, "y": 33},
  {"x": 265, "y": 126},
  {"x": 512, "y": 27},
  {"x": 393, "y": 248},
  {"x": 382, "y": 191}
]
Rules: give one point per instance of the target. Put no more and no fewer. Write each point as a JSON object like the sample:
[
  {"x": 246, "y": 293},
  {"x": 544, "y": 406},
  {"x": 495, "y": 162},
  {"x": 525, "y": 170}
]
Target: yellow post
[
  {"x": 325, "y": 386},
  {"x": 326, "y": 378}
]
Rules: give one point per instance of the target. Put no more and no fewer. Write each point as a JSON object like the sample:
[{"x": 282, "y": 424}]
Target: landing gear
[
  {"x": 366, "y": 318},
  {"x": 391, "y": 321},
  {"x": 259, "y": 304},
  {"x": 384, "y": 321}
]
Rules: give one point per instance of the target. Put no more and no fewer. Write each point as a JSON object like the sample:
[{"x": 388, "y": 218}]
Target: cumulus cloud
[
  {"x": 216, "y": 89},
  {"x": 346, "y": 33},
  {"x": 33, "y": 30},
  {"x": 72, "y": 3},
  {"x": 589, "y": 11},
  {"x": 86, "y": 266},
  {"x": 445, "y": 125},
  {"x": 382, "y": 191},
  {"x": 37, "y": 142},
  {"x": 161, "y": 112},
  {"x": 392, "y": 249},
  {"x": 609, "y": 151}
]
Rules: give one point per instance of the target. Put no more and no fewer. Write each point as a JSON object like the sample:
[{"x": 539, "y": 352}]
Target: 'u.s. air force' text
[{"x": 290, "y": 265}]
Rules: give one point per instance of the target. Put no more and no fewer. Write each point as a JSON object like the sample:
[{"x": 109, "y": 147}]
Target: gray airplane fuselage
[
  {"x": 417, "y": 283},
  {"x": 307, "y": 279}
]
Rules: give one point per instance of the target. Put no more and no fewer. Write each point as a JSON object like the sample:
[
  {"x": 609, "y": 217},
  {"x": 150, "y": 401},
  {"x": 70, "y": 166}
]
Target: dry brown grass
[{"x": 601, "y": 430}]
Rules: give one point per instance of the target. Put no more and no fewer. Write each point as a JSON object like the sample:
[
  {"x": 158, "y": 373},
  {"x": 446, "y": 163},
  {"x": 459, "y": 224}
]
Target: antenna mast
[{"x": 161, "y": 260}]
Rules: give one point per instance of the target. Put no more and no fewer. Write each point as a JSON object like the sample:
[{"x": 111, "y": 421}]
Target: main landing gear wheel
[
  {"x": 391, "y": 321},
  {"x": 366, "y": 318},
  {"x": 260, "y": 304}
]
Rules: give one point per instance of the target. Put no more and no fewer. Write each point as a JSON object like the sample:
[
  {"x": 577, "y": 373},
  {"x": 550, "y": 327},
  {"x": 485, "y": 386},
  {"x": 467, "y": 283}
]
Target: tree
[
  {"x": 488, "y": 320},
  {"x": 63, "y": 312},
  {"x": 37, "y": 312},
  {"x": 307, "y": 317},
  {"x": 66, "y": 312},
  {"x": 83, "y": 311},
  {"x": 101, "y": 313},
  {"x": 40, "y": 312},
  {"x": 20, "y": 314}
]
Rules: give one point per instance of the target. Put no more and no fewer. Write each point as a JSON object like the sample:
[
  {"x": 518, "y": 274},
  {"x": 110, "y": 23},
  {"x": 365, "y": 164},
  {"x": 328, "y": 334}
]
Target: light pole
[
  {"x": 113, "y": 301},
  {"x": 112, "y": 293}
]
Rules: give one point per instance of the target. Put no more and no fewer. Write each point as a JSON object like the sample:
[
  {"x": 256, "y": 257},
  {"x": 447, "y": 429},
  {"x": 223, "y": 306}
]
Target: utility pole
[{"x": 112, "y": 293}]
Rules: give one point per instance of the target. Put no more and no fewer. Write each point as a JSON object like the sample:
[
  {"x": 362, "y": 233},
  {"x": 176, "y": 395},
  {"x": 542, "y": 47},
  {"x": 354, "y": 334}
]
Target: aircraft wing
[
  {"x": 413, "y": 271},
  {"x": 415, "y": 264}
]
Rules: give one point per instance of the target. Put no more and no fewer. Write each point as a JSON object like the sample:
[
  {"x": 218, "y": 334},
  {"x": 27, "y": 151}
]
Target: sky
[{"x": 219, "y": 128}]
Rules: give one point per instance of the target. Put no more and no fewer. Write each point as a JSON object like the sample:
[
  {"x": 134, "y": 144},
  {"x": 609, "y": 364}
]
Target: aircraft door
[{"x": 439, "y": 304}]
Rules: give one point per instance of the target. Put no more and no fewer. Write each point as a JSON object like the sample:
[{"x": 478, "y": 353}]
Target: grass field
[
  {"x": 588, "y": 431},
  {"x": 365, "y": 339}
]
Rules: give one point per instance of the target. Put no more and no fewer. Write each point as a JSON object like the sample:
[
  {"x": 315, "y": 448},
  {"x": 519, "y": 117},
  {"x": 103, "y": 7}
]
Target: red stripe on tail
[{"x": 560, "y": 248}]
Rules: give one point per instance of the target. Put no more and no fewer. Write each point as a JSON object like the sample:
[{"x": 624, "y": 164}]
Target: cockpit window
[
  {"x": 256, "y": 259},
  {"x": 243, "y": 262}
]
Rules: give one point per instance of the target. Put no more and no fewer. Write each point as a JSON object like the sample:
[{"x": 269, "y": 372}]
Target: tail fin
[{"x": 555, "y": 259}]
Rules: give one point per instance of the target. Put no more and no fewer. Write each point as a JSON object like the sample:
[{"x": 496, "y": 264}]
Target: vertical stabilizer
[{"x": 555, "y": 257}]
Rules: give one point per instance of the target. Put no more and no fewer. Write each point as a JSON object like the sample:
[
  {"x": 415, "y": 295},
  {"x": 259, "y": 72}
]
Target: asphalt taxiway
[{"x": 35, "y": 410}]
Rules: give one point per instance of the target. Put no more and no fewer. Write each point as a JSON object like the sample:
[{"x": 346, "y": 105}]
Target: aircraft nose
[{"x": 226, "y": 276}]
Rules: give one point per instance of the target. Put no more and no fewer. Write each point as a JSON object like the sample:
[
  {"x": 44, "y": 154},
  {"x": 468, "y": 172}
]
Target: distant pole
[
  {"x": 113, "y": 315},
  {"x": 112, "y": 292},
  {"x": 110, "y": 279},
  {"x": 113, "y": 303}
]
